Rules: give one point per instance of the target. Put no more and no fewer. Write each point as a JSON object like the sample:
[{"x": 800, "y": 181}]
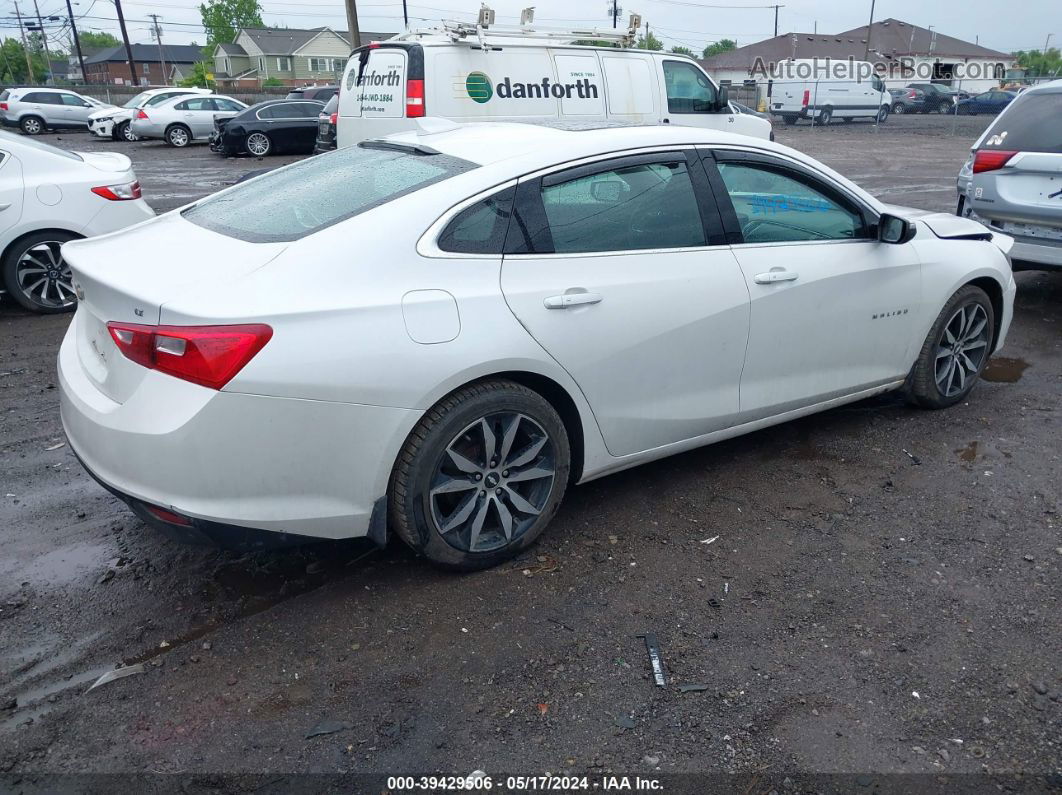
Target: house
[
  {"x": 110, "y": 65},
  {"x": 902, "y": 53},
  {"x": 73, "y": 69},
  {"x": 292, "y": 56}
]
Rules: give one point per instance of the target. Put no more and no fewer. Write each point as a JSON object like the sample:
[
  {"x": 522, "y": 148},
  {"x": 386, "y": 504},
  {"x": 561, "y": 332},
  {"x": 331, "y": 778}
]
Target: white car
[
  {"x": 49, "y": 196},
  {"x": 114, "y": 122},
  {"x": 438, "y": 333},
  {"x": 180, "y": 121}
]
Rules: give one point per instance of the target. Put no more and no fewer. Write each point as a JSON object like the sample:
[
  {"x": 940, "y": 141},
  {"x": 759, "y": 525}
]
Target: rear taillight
[
  {"x": 141, "y": 115},
  {"x": 119, "y": 193},
  {"x": 333, "y": 119},
  {"x": 807, "y": 98},
  {"x": 206, "y": 355},
  {"x": 912, "y": 95},
  {"x": 168, "y": 516},
  {"x": 3, "y": 106},
  {"x": 990, "y": 160},
  {"x": 414, "y": 99}
]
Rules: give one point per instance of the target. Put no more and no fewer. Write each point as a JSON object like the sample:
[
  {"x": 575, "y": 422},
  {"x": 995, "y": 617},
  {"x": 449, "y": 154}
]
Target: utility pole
[
  {"x": 158, "y": 38},
  {"x": 77, "y": 41},
  {"x": 1047, "y": 41},
  {"x": 44, "y": 41},
  {"x": 870, "y": 26},
  {"x": 125, "y": 38},
  {"x": 352, "y": 24},
  {"x": 776, "y": 20},
  {"x": 25, "y": 47},
  {"x": 615, "y": 12}
]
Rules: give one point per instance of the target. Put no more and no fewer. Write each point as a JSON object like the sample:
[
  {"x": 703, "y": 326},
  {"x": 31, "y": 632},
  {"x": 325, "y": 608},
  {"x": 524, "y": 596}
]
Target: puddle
[
  {"x": 1003, "y": 370},
  {"x": 968, "y": 453},
  {"x": 66, "y": 564}
]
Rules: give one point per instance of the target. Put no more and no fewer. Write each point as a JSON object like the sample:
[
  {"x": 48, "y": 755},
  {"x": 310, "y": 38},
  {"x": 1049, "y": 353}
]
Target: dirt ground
[{"x": 881, "y": 595}]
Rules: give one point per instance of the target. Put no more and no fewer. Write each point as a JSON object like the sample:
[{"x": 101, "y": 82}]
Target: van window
[
  {"x": 1029, "y": 124},
  {"x": 625, "y": 208},
  {"x": 688, "y": 88},
  {"x": 774, "y": 206},
  {"x": 629, "y": 85},
  {"x": 305, "y": 197},
  {"x": 480, "y": 229}
]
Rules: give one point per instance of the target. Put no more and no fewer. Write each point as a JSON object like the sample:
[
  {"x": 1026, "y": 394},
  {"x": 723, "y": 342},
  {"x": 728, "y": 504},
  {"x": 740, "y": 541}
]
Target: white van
[
  {"x": 467, "y": 74},
  {"x": 826, "y": 89}
]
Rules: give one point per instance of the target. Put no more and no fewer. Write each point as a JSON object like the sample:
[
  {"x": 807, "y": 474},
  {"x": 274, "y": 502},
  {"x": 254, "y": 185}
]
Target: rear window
[
  {"x": 1031, "y": 123},
  {"x": 293, "y": 202}
]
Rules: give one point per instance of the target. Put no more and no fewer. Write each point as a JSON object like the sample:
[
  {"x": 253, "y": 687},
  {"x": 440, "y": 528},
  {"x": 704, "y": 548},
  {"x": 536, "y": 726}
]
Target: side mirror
[
  {"x": 893, "y": 229},
  {"x": 722, "y": 100},
  {"x": 608, "y": 191}
]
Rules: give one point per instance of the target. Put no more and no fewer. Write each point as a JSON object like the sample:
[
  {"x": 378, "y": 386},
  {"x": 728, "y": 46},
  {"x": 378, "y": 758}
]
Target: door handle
[
  {"x": 776, "y": 275},
  {"x": 4, "y": 206},
  {"x": 571, "y": 299}
]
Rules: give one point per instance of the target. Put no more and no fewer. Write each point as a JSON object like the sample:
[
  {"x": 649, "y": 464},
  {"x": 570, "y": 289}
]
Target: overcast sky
[{"x": 687, "y": 22}]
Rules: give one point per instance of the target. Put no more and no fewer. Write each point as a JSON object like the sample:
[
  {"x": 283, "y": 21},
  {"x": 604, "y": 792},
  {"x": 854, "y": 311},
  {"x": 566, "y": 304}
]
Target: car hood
[
  {"x": 951, "y": 227},
  {"x": 110, "y": 162},
  {"x": 106, "y": 112}
]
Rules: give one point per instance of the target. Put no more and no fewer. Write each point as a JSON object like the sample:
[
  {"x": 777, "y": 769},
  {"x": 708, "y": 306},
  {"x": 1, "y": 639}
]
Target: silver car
[
  {"x": 1012, "y": 182},
  {"x": 34, "y": 110},
  {"x": 182, "y": 120}
]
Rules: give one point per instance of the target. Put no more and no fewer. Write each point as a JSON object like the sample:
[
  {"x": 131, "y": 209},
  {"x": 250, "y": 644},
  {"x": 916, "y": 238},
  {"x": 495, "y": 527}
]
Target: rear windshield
[
  {"x": 4, "y": 95},
  {"x": 303, "y": 198},
  {"x": 22, "y": 140},
  {"x": 1031, "y": 123},
  {"x": 136, "y": 101}
]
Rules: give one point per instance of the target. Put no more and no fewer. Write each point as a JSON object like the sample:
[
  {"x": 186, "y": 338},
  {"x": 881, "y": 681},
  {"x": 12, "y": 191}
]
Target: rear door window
[{"x": 1031, "y": 123}]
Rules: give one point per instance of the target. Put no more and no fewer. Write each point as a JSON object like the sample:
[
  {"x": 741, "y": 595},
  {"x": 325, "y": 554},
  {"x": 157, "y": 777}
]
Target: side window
[
  {"x": 643, "y": 206},
  {"x": 774, "y": 205},
  {"x": 688, "y": 88},
  {"x": 480, "y": 229},
  {"x": 227, "y": 104},
  {"x": 70, "y": 99},
  {"x": 875, "y": 81},
  {"x": 199, "y": 103},
  {"x": 271, "y": 112}
]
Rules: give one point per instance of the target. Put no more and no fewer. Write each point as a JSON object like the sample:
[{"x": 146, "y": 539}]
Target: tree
[
  {"x": 649, "y": 42},
  {"x": 723, "y": 45},
  {"x": 222, "y": 19},
  {"x": 682, "y": 51},
  {"x": 1038, "y": 63},
  {"x": 198, "y": 78},
  {"x": 91, "y": 40},
  {"x": 13, "y": 63}
]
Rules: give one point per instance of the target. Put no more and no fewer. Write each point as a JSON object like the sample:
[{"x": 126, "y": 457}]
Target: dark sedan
[
  {"x": 268, "y": 128},
  {"x": 320, "y": 93},
  {"x": 326, "y": 127},
  {"x": 989, "y": 102}
]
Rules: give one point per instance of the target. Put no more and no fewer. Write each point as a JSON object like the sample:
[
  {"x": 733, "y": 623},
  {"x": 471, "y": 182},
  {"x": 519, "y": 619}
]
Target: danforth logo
[{"x": 479, "y": 87}]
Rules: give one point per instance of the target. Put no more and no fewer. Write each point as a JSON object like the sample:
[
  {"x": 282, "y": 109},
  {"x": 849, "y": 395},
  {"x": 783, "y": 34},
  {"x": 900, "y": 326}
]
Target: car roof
[{"x": 1051, "y": 87}]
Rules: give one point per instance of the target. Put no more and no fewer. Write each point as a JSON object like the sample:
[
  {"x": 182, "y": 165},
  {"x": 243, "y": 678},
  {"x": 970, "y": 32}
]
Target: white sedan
[
  {"x": 49, "y": 196},
  {"x": 438, "y": 333}
]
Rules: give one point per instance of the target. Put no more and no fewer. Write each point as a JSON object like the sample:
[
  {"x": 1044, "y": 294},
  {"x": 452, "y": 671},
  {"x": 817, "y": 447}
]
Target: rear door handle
[
  {"x": 571, "y": 299},
  {"x": 4, "y": 206},
  {"x": 773, "y": 276}
]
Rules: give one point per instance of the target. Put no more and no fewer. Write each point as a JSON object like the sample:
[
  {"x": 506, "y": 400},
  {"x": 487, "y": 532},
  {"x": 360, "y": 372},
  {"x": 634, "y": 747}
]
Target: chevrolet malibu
[{"x": 437, "y": 333}]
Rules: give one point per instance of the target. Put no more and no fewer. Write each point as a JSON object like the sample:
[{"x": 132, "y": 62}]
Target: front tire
[
  {"x": 36, "y": 275},
  {"x": 258, "y": 144},
  {"x": 883, "y": 114},
  {"x": 480, "y": 476},
  {"x": 955, "y": 352},
  {"x": 124, "y": 132}
]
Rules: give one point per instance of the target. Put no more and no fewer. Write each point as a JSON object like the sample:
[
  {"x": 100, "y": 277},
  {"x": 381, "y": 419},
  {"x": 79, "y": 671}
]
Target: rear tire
[
  {"x": 955, "y": 352},
  {"x": 258, "y": 144},
  {"x": 178, "y": 136},
  {"x": 32, "y": 125},
  {"x": 36, "y": 275},
  {"x": 480, "y": 476},
  {"x": 899, "y": 109},
  {"x": 825, "y": 117}
]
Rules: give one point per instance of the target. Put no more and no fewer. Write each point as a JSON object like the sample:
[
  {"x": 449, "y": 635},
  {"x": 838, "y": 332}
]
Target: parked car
[
  {"x": 326, "y": 127},
  {"x": 388, "y": 85},
  {"x": 181, "y": 120},
  {"x": 412, "y": 378},
  {"x": 842, "y": 96},
  {"x": 908, "y": 100},
  {"x": 35, "y": 110},
  {"x": 114, "y": 122},
  {"x": 938, "y": 98},
  {"x": 49, "y": 196},
  {"x": 268, "y": 128},
  {"x": 320, "y": 93},
  {"x": 987, "y": 102},
  {"x": 1013, "y": 180}
]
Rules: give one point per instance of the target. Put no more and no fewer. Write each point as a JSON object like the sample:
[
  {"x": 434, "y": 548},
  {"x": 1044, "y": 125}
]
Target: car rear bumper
[
  {"x": 1037, "y": 252},
  {"x": 231, "y": 462}
]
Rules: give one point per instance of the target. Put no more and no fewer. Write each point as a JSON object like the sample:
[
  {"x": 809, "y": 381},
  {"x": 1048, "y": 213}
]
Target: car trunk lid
[{"x": 130, "y": 283}]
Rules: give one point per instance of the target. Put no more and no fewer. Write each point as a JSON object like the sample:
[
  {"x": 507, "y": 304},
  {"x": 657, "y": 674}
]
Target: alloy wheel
[
  {"x": 128, "y": 134},
  {"x": 258, "y": 144},
  {"x": 179, "y": 137},
  {"x": 492, "y": 482},
  {"x": 962, "y": 349},
  {"x": 44, "y": 277}
]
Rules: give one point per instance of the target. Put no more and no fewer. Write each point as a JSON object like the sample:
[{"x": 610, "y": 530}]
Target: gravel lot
[{"x": 883, "y": 596}]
